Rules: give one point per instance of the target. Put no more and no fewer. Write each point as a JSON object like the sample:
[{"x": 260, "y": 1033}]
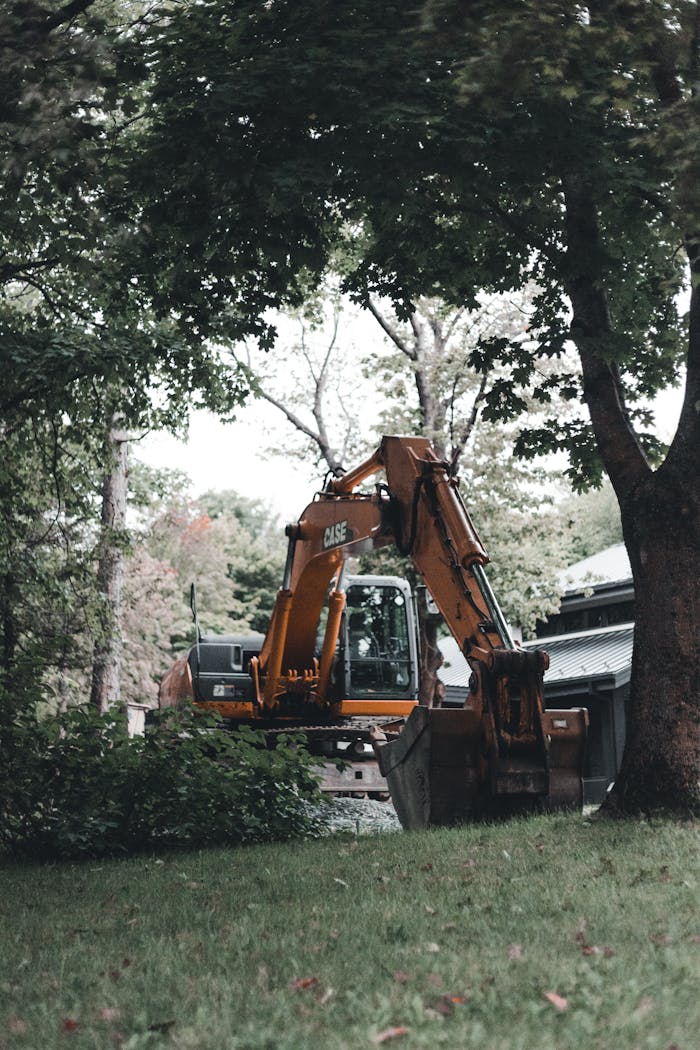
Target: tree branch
[
  {"x": 65, "y": 14},
  {"x": 591, "y": 328},
  {"x": 459, "y": 443},
  {"x": 299, "y": 424},
  {"x": 396, "y": 339}
]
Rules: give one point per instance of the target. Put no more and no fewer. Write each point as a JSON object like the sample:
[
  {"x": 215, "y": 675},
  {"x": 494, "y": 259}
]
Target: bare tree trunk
[{"x": 110, "y": 573}]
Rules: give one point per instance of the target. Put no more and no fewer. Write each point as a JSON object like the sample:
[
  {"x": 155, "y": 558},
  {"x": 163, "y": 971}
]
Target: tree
[
  {"x": 47, "y": 600},
  {"x": 465, "y": 147},
  {"x": 593, "y": 521},
  {"x": 318, "y": 389},
  {"x": 227, "y": 544},
  {"x": 106, "y": 665},
  {"x": 77, "y": 346}
]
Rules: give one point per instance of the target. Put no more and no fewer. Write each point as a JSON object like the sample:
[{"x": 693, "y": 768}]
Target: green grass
[{"x": 456, "y": 935}]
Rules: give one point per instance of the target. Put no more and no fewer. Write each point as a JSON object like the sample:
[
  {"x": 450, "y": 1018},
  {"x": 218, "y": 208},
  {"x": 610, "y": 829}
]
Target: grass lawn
[{"x": 546, "y": 934}]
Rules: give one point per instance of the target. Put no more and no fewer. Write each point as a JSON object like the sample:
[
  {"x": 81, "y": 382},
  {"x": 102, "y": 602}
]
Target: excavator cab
[{"x": 379, "y": 652}]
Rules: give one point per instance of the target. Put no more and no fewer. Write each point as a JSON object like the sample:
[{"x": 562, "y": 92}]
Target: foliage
[
  {"x": 75, "y": 334},
  {"x": 77, "y": 785},
  {"x": 154, "y": 622},
  {"x": 226, "y": 544},
  {"x": 76, "y": 346},
  {"x": 593, "y": 521},
  {"x": 47, "y": 534},
  {"x": 444, "y": 175}
]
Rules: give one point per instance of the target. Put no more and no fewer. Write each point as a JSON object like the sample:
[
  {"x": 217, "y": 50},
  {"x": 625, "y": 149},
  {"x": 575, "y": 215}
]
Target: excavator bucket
[
  {"x": 438, "y": 773},
  {"x": 433, "y": 767}
]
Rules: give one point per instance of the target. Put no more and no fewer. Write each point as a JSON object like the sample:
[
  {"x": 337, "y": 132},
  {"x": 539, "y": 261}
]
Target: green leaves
[{"x": 78, "y": 786}]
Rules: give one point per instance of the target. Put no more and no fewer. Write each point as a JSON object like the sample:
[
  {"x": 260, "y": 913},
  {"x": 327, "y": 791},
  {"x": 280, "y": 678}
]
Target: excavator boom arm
[{"x": 421, "y": 512}]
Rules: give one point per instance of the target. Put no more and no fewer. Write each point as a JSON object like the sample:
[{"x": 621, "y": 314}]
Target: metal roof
[
  {"x": 607, "y": 567},
  {"x": 455, "y": 669},
  {"x": 605, "y": 653}
]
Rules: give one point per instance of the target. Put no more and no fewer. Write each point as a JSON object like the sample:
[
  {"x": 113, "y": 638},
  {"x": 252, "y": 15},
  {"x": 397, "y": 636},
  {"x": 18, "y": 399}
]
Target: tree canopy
[{"x": 452, "y": 147}]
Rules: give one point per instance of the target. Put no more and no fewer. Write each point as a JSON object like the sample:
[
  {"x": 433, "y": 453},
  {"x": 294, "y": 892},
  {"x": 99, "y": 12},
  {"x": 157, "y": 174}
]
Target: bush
[{"x": 77, "y": 785}]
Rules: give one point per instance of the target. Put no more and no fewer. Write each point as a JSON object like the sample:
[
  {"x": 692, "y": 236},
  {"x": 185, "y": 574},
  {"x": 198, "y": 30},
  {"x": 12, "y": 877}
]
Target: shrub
[{"x": 77, "y": 785}]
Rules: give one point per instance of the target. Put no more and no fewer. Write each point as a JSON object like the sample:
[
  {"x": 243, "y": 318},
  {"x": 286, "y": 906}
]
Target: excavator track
[{"x": 346, "y": 741}]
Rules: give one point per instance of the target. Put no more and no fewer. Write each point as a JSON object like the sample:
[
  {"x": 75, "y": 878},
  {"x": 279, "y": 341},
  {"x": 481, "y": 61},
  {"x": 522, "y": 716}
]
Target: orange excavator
[{"x": 339, "y": 656}]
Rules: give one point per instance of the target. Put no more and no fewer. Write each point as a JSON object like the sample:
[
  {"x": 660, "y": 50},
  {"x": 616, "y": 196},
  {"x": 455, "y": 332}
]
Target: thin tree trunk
[
  {"x": 430, "y": 689},
  {"x": 110, "y": 573}
]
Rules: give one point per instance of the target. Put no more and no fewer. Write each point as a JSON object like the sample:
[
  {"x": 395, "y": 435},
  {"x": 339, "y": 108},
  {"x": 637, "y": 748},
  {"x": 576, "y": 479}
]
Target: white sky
[{"x": 231, "y": 456}]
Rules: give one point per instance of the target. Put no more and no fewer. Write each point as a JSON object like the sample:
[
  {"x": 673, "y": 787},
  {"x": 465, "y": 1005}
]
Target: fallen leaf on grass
[
  {"x": 432, "y": 947},
  {"x": 661, "y": 940},
  {"x": 302, "y": 983},
  {"x": 557, "y": 1001},
  {"x": 694, "y": 938},
  {"x": 594, "y": 949},
  {"x": 390, "y": 1033},
  {"x": 444, "y": 1006},
  {"x": 17, "y": 1026},
  {"x": 341, "y": 882},
  {"x": 591, "y": 949},
  {"x": 434, "y": 979},
  {"x": 70, "y": 1025},
  {"x": 109, "y": 1013},
  {"x": 161, "y": 1026},
  {"x": 515, "y": 952},
  {"x": 644, "y": 1006},
  {"x": 401, "y": 977},
  {"x": 430, "y": 911}
]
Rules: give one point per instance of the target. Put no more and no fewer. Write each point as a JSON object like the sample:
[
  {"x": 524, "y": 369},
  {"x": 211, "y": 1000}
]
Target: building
[{"x": 590, "y": 649}]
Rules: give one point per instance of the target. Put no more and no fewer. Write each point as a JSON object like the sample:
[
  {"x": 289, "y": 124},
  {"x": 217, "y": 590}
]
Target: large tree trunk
[
  {"x": 110, "y": 573},
  {"x": 661, "y": 762},
  {"x": 661, "y": 524}
]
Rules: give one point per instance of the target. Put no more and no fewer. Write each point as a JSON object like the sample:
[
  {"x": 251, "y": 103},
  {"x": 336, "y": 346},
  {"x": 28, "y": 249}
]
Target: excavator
[{"x": 340, "y": 660}]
